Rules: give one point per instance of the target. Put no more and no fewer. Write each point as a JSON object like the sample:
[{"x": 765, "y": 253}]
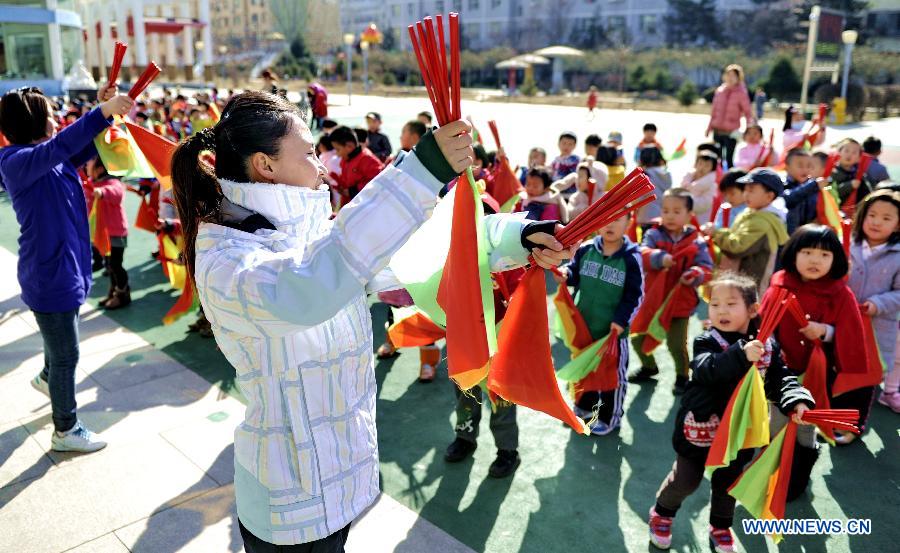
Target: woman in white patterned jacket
[{"x": 284, "y": 287}]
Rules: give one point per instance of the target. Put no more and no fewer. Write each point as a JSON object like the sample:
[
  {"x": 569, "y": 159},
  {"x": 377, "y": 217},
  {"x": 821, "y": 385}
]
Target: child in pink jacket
[{"x": 109, "y": 192}]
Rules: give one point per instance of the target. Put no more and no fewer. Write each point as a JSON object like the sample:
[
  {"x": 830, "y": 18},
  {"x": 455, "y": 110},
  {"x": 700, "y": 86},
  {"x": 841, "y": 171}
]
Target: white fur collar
[{"x": 294, "y": 210}]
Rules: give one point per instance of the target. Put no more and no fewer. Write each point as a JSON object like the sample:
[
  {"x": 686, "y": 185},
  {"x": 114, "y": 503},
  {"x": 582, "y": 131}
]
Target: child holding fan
[
  {"x": 829, "y": 348},
  {"x": 722, "y": 356},
  {"x": 109, "y": 195},
  {"x": 606, "y": 275},
  {"x": 677, "y": 261},
  {"x": 875, "y": 278}
]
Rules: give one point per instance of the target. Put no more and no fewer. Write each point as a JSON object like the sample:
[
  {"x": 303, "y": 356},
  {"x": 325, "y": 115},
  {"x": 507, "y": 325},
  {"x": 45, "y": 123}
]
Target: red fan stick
[
  {"x": 833, "y": 158},
  {"x": 493, "y": 125},
  {"x": 426, "y": 79},
  {"x": 726, "y": 214},
  {"x": 864, "y": 161},
  {"x": 614, "y": 199},
  {"x": 442, "y": 48},
  {"x": 144, "y": 81},
  {"x": 846, "y": 231},
  {"x": 576, "y": 230},
  {"x": 455, "y": 109},
  {"x": 431, "y": 67},
  {"x": 118, "y": 56},
  {"x": 601, "y": 204}
]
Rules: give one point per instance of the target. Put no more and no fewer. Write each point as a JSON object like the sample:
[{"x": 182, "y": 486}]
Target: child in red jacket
[
  {"x": 109, "y": 193},
  {"x": 358, "y": 164}
]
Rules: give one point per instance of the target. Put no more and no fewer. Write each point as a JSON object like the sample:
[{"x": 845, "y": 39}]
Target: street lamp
[
  {"x": 849, "y": 39},
  {"x": 348, "y": 43},
  {"x": 364, "y": 46}
]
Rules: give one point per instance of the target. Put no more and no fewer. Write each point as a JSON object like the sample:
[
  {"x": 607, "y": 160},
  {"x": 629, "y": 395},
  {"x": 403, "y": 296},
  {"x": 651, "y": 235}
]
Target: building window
[
  {"x": 616, "y": 23},
  {"x": 648, "y": 24},
  {"x": 410, "y": 9},
  {"x": 496, "y": 4},
  {"x": 27, "y": 51},
  {"x": 495, "y": 29},
  {"x": 439, "y": 6},
  {"x": 457, "y": 5},
  {"x": 473, "y": 4},
  {"x": 395, "y": 11},
  {"x": 473, "y": 30},
  {"x": 254, "y": 18}
]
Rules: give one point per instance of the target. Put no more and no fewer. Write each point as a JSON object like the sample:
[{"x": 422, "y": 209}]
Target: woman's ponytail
[{"x": 195, "y": 188}]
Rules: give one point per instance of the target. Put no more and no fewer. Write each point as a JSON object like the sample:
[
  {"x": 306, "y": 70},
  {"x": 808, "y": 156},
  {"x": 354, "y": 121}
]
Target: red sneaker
[{"x": 660, "y": 530}]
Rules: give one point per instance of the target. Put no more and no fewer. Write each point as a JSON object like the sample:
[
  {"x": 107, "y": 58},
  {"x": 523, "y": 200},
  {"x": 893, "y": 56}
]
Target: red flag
[
  {"x": 157, "y": 150},
  {"x": 874, "y": 373},
  {"x": 148, "y": 210},
  {"x": 524, "y": 374},
  {"x": 606, "y": 376}
]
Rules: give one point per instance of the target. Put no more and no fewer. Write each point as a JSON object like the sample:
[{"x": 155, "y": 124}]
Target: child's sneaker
[
  {"x": 660, "y": 530},
  {"x": 506, "y": 463},
  {"x": 600, "y": 428},
  {"x": 41, "y": 385},
  {"x": 386, "y": 350},
  {"x": 721, "y": 540},
  {"x": 891, "y": 401},
  {"x": 78, "y": 439},
  {"x": 643, "y": 374}
]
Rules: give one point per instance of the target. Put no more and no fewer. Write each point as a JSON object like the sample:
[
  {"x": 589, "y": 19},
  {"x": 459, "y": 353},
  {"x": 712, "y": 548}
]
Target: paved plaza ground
[{"x": 166, "y": 402}]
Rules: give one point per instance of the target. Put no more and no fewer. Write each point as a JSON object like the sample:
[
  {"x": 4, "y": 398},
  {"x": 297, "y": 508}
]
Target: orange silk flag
[
  {"x": 415, "y": 331},
  {"x": 99, "y": 231},
  {"x": 524, "y": 374},
  {"x": 186, "y": 302},
  {"x": 465, "y": 292}
]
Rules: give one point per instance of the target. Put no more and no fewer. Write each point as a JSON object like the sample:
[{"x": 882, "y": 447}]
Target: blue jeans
[{"x": 60, "y": 334}]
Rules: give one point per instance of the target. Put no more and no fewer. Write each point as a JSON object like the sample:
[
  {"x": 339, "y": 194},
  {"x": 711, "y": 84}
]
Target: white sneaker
[
  {"x": 41, "y": 385},
  {"x": 78, "y": 439}
]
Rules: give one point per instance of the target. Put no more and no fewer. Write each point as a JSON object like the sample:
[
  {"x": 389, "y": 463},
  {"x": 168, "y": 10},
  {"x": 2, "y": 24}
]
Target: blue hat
[{"x": 765, "y": 177}]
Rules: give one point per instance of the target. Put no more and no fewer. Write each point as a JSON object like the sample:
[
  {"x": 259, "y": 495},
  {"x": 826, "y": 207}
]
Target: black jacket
[
  {"x": 715, "y": 375},
  {"x": 379, "y": 144}
]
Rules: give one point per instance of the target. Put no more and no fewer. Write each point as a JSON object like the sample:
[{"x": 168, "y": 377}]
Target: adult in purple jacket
[
  {"x": 39, "y": 171},
  {"x": 730, "y": 103}
]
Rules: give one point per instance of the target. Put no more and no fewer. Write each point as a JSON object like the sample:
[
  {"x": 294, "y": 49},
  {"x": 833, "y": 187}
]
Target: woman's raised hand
[
  {"x": 119, "y": 104},
  {"x": 455, "y": 141}
]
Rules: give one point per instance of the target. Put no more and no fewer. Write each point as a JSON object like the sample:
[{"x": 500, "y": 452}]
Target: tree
[
  {"x": 687, "y": 93},
  {"x": 783, "y": 81},
  {"x": 693, "y": 22},
  {"x": 388, "y": 42},
  {"x": 637, "y": 78},
  {"x": 662, "y": 81}
]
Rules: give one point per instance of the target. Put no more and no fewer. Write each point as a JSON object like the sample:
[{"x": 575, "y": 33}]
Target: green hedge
[{"x": 663, "y": 69}]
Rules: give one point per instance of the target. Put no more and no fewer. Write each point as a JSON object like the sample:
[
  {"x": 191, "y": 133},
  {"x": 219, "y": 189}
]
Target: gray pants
[
  {"x": 806, "y": 433},
  {"x": 468, "y": 418}
]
